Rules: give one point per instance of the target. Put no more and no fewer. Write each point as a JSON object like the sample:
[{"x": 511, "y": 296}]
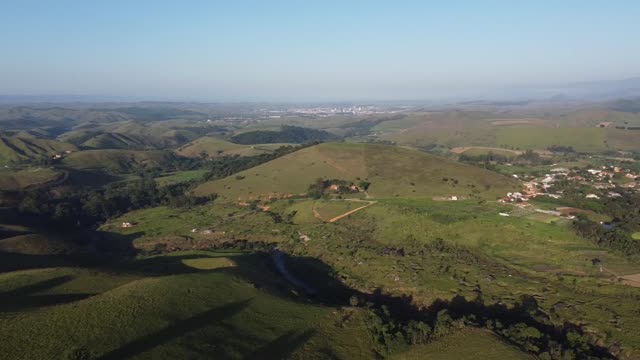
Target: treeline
[
  {"x": 561, "y": 149},
  {"x": 529, "y": 157},
  {"x": 222, "y": 167},
  {"x": 397, "y": 323},
  {"x": 623, "y": 211},
  {"x": 87, "y": 208},
  {"x": 319, "y": 188},
  {"x": 287, "y": 134}
]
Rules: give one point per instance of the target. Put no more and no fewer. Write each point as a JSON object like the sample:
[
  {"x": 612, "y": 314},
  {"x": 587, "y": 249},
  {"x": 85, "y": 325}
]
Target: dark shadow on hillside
[
  {"x": 90, "y": 178},
  {"x": 85, "y": 248},
  {"x": 281, "y": 347},
  {"x": 319, "y": 277},
  {"x": 148, "y": 342},
  {"x": 25, "y": 297}
]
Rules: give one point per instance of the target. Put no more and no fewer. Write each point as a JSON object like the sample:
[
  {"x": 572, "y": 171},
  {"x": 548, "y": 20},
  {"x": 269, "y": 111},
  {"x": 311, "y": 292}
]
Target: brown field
[{"x": 631, "y": 280}]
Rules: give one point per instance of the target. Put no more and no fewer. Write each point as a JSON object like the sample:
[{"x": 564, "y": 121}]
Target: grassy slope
[
  {"x": 196, "y": 306},
  {"x": 121, "y": 141},
  {"x": 116, "y": 159},
  {"x": 13, "y": 149},
  {"x": 476, "y": 343},
  {"x": 218, "y": 147},
  {"x": 12, "y": 179},
  {"x": 391, "y": 171}
]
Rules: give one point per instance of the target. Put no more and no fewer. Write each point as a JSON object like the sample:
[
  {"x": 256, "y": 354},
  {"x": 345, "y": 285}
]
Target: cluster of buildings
[
  {"x": 600, "y": 180},
  {"x": 59, "y": 156}
]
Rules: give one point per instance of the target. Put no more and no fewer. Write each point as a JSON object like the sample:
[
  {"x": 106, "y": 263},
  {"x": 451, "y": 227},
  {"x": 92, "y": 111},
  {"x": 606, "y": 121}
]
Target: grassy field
[
  {"x": 581, "y": 139},
  {"x": 636, "y": 236},
  {"x": 187, "y": 305},
  {"x": 180, "y": 177},
  {"x": 330, "y": 209},
  {"x": 623, "y": 139},
  {"x": 18, "y": 179},
  {"x": 538, "y": 244},
  {"x": 446, "y": 136},
  {"x": 212, "y": 224},
  {"x": 392, "y": 172},
  {"x": 465, "y": 345}
]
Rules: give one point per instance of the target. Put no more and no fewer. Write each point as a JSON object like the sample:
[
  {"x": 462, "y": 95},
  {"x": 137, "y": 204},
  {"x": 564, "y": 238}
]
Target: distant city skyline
[{"x": 311, "y": 51}]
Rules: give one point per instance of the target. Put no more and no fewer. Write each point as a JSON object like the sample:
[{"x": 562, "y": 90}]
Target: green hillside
[
  {"x": 118, "y": 160},
  {"x": 122, "y": 141},
  {"x": 217, "y": 147},
  {"x": 392, "y": 171},
  {"x": 16, "y": 149},
  {"x": 183, "y": 306},
  {"x": 581, "y": 139},
  {"x": 11, "y": 179}
]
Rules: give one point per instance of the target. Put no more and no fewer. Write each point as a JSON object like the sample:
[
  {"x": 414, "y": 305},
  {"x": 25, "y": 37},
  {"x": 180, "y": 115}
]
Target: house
[
  {"x": 126, "y": 225},
  {"x": 547, "y": 180},
  {"x": 592, "y": 196}
]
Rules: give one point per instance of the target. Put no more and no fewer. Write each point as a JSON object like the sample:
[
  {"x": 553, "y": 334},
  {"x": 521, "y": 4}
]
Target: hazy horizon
[{"x": 286, "y": 51}]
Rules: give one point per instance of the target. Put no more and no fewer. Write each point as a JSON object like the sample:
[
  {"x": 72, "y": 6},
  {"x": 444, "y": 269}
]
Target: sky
[{"x": 239, "y": 50}]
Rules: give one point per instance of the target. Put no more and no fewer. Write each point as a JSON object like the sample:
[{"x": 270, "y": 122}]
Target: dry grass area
[{"x": 631, "y": 280}]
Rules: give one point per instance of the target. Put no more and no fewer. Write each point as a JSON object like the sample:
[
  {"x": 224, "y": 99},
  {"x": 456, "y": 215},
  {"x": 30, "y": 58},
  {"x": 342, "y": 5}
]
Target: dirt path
[
  {"x": 630, "y": 280},
  {"x": 316, "y": 213},
  {"x": 352, "y": 211}
]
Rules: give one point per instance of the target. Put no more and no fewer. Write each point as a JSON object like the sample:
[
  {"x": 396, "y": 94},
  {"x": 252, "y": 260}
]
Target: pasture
[{"x": 392, "y": 172}]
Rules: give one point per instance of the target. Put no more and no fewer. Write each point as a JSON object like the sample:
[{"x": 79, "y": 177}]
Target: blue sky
[{"x": 311, "y": 50}]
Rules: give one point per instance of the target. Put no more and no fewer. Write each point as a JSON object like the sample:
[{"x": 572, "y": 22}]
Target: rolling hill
[
  {"x": 17, "y": 149},
  {"x": 231, "y": 305},
  {"x": 392, "y": 172},
  {"x": 214, "y": 147},
  {"x": 286, "y": 134}
]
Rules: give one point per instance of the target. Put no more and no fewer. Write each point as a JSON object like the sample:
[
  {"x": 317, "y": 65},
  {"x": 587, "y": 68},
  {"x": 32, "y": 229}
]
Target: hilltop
[{"x": 392, "y": 172}]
